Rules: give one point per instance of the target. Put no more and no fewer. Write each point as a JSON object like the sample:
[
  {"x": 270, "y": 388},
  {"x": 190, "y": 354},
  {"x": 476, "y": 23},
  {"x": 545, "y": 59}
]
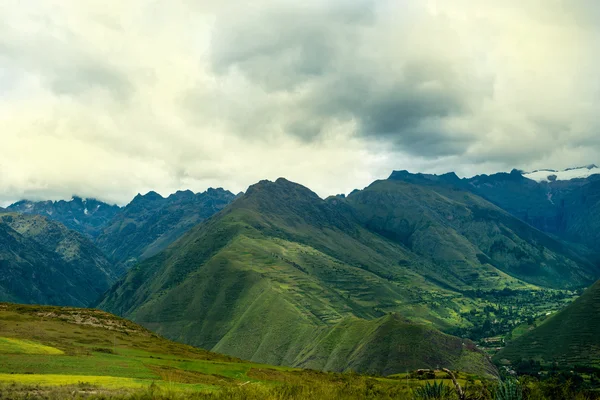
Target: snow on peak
[{"x": 550, "y": 175}]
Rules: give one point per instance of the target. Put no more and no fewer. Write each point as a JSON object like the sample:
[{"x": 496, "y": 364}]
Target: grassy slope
[
  {"x": 90, "y": 343},
  {"x": 570, "y": 337},
  {"x": 282, "y": 255},
  {"x": 97, "y": 353}
]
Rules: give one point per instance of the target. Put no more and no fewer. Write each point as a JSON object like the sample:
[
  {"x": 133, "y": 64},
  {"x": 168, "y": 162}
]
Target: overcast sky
[{"x": 109, "y": 98}]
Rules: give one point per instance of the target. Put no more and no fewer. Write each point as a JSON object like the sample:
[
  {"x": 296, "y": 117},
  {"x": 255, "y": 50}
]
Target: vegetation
[
  {"x": 567, "y": 209},
  {"x": 326, "y": 274},
  {"x": 44, "y": 262},
  {"x": 151, "y": 222},
  {"x": 57, "y": 352},
  {"x": 569, "y": 338}
]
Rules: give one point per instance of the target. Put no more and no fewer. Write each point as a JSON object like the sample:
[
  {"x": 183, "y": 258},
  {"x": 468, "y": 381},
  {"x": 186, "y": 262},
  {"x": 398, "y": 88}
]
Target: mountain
[
  {"x": 569, "y": 337},
  {"x": 87, "y": 216},
  {"x": 151, "y": 222},
  {"x": 566, "y": 208},
  {"x": 281, "y": 276},
  {"x": 43, "y": 262},
  {"x": 549, "y": 175},
  {"x": 465, "y": 235}
]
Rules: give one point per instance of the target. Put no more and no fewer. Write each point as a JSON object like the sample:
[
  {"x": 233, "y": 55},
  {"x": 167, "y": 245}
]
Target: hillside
[
  {"x": 87, "y": 216},
  {"x": 280, "y": 253},
  {"x": 567, "y": 208},
  {"x": 63, "y": 352},
  {"x": 151, "y": 222},
  {"x": 569, "y": 337},
  {"x": 44, "y": 262},
  {"x": 467, "y": 237}
]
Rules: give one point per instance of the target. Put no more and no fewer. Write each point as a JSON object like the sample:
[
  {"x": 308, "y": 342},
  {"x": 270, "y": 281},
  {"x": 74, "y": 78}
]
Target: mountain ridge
[
  {"x": 43, "y": 262},
  {"x": 308, "y": 266}
]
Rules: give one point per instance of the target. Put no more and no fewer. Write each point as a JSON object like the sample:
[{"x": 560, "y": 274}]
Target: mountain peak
[
  {"x": 281, "y": 189},
  {"x": 550, "y": 175},
  {"x": 447, "y": 178},
  {"x": 151, "y": 196}
]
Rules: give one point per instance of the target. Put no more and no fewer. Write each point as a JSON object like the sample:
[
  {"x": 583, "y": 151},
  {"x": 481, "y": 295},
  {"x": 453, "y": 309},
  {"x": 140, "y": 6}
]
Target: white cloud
[{"x": 108, "y": 99}]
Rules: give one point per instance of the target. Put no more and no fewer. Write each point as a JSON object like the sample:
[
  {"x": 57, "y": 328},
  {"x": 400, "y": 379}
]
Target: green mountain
[
  {"x": 87, "y": 216},
  {"x": 44, "y": 262},
  {"x": 568, "y": 209},
  {"x": 283, "y": 277},
  {"x": 151, "y": 222},
  {"x": 467, "y": 238},
  {"x": 569, "y": 337}
]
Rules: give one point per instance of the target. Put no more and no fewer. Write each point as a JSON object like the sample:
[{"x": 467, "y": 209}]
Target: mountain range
[
  {"x": 564, "y": 204},
  {"x": 373, "y": 282},
  {"x": 86, "y": 216},
  {"x": 150, "y": 223},
  {"x": 282, "y": 276}
]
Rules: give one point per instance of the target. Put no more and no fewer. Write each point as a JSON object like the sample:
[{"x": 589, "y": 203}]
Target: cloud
[{"x": 108, "y": 99}]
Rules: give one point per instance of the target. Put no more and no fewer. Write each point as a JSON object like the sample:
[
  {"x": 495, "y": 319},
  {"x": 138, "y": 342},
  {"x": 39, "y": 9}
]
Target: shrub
[{"x": 433, "y": 391}]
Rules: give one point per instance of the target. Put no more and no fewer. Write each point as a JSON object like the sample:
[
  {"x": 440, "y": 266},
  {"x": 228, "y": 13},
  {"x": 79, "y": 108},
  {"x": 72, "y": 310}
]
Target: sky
[{"x": 112, "y": 98}]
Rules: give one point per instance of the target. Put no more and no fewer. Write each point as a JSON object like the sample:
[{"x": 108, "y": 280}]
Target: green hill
[
  {"x": 62, "y": 352},
  {"x": 151, "y": 222},
  {"x": 44, "y": 262},
  {"x": 570, "y": 337},
  {"x": 280, "y": 270}
]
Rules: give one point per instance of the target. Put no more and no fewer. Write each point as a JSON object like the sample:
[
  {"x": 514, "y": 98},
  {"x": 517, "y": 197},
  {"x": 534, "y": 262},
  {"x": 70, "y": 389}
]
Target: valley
[{"x": 415, "y": 272}]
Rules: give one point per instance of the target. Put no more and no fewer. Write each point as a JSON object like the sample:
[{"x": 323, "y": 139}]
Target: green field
[{"x": 62, "y": 352}]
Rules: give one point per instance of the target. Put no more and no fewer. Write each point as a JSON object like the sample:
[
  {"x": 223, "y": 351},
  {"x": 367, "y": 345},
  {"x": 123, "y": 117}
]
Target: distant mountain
[
  {"x": 549, "y": 175},
  {"x": 570, "y": 337},
  {"x": 43, "y": 262},
  {"x": 569, "y": 209},
  {"x": 87, "y": 216},
  {"x": 466, "y": 235},
  {"x": 283, "y": 277},
  {"x": 151, "y": 222}
]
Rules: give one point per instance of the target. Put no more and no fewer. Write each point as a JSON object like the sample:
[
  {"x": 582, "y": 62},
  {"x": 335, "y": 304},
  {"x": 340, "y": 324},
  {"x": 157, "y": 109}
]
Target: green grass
[
  {"x": 94, "y": 353},
  {"x": 18, "y": 346}
]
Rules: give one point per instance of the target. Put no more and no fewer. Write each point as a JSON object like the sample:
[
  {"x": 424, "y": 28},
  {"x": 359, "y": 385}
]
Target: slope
[
  {"x": 568, "y": 209},
  {"x": 61, "y": 352},
  {"x": 43, "y": 262},
  {"x": 87, "y": 216},
  {"x": 281, "y": 254},
  {"x": 465, "y": 236},
  {"x": 570, "y": 337},
  {"x": 150, "y": 223}
]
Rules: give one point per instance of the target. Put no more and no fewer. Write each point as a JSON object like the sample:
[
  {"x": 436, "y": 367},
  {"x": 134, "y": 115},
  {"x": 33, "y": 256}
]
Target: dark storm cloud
[
  {"x": 125, "y": 97},
  {"x": 327, "y": 57}
]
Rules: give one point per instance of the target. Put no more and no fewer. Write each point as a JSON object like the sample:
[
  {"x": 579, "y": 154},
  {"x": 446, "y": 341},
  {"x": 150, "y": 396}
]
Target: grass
[
  {"x": 19, "y": 346},
  {"x": 96, "y": 355}
]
